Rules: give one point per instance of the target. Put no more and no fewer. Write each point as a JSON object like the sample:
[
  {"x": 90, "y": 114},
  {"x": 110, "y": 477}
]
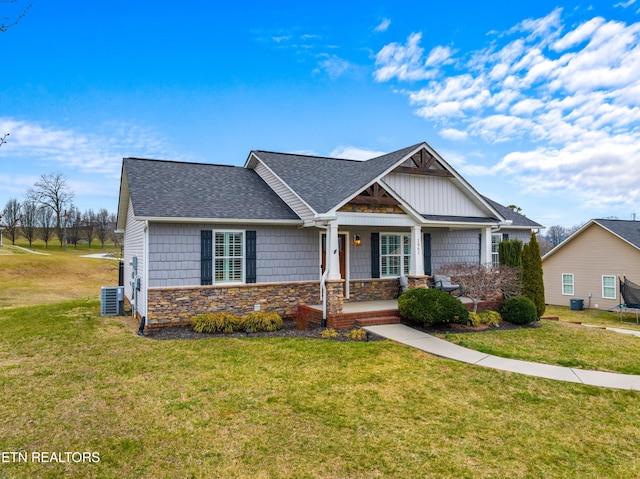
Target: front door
[{"x": 342, "y": 242}]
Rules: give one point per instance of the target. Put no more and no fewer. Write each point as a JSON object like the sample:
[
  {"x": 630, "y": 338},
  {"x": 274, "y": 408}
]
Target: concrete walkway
[{"x": 439, "y": 347}]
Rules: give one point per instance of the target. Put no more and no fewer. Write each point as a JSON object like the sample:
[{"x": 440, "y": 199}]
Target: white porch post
[
  {"x": 416, "y": 263},
  {"x": 333, "y": 255},
  {"x": 485, "y": 246}
]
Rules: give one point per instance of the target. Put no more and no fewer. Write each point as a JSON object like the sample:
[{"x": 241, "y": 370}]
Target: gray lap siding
[{"x": 283, "y": 253}]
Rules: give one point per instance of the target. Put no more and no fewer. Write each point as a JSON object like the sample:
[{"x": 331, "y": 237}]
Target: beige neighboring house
[{"x": 589, "y": 264}]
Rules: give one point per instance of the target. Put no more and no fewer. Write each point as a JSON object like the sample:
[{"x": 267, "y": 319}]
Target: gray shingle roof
[
  {"x": 194, "y": 190},
  {"x": 324, "y": 182},
  {"x": 629, "y": 230},
  {"x": 508, "y": 214}
]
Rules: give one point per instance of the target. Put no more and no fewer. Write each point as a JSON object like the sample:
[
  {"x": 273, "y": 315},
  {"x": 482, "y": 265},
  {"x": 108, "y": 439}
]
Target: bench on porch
[{"x": 443, "y": 283}]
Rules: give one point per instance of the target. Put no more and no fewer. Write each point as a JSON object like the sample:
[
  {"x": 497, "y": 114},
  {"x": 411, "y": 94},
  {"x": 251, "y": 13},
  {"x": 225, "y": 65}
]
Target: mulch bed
[{"x": 315, "y": 331}]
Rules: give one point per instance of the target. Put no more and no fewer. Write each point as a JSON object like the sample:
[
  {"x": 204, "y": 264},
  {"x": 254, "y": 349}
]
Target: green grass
[
  {"x": 288, "y": 408},
  {"x": 563, "y": 343}
]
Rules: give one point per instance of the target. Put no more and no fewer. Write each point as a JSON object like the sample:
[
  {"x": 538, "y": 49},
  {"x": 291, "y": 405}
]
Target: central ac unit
[{"x": 111, "y": 300}]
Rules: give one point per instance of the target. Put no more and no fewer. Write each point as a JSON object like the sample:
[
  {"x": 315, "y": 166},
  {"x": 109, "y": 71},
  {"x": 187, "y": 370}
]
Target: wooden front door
[{"x": 342, "y": 243}]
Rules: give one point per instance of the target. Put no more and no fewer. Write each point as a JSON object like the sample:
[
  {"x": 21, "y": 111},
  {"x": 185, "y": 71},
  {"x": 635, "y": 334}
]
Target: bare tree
[
  {"x": 3, "y": 139},
  {"x": 52, "y": 191},
  {"x": 7, "y": 22},
  {"x": 29, "y": 222},
  {"x": 89, "y": 220},
  {"x": 45, "y": 219},
  {"x": 556, "y": 234},
  {"x": 74, "y": 225},
  {"x": 102, "y": 226},
  {"x": 116, "y": 237},
  {"x": 12, "y": 213},
  {"x": 483, "y": 282}
]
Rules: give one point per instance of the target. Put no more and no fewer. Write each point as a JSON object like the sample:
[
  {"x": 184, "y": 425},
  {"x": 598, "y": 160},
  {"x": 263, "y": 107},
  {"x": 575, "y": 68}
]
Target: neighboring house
[
  {"x": 589, "y": 263},
  {"x": 288, "y": 230}
]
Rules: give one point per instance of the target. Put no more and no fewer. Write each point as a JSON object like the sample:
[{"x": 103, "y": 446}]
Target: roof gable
[{"x": 627, "y": 231}]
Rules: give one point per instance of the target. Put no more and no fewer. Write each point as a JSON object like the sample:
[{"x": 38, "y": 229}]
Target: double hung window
[{"x": 395, "y": 254}]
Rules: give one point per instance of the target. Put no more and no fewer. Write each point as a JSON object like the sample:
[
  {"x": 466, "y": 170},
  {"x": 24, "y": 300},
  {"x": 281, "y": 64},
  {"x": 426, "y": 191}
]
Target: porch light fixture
[{"x": 356, "y": 240}]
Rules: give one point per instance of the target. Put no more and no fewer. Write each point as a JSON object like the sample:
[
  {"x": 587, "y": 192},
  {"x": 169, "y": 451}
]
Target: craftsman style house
[{"x": 289, "y": 230}]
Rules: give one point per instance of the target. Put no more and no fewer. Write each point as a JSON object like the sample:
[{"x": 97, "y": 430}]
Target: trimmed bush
[
  {"x": 519, "y": 310},
  {"x": 431, "y": 306},
  {"x": 260, "y": 321},
  {"x": 215, "y": 323}
]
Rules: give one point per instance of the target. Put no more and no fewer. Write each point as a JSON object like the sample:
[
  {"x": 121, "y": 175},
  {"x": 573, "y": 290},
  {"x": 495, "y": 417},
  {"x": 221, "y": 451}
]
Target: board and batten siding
[
  {"x": 588, "y": 256},
  {"x": 433, "y": 195},
  {"x": 282, "y": 253},
  {"x": 134, "y": 246},
  {"x": 295, "y": 203}
]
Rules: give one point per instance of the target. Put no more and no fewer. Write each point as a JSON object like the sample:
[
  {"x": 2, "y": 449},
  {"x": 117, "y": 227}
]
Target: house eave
[{"x": 251, "y": 221}]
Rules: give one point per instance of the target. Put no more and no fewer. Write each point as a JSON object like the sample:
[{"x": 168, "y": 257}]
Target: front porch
[{"x": 355, "y": 314}]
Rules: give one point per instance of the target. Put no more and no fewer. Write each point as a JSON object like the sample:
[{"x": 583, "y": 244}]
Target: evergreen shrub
[
  {"x": 431, "y": 306},
  {"x": 518, "y": 310}
]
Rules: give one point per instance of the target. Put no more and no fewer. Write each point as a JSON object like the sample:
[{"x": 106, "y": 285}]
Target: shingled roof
[
  {"x": 170, "y": 189},
  {"x": 625, "y": 229},
  {"x": 518, "y": 220},
  {"x": 323, "y": 182}
]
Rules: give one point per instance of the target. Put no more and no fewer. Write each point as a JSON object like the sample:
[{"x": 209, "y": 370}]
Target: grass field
[{"x": 286, "y": 408}]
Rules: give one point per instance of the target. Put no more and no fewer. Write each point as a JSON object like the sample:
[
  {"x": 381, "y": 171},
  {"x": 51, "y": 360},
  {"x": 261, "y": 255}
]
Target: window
[
  {"x": 495, "y": 255},
  {"x": 609, "y": 287},
  {"x": 567, "y": 284},
  {"x": 228, "y": 257},
  {"x": 395, "y": 253}
]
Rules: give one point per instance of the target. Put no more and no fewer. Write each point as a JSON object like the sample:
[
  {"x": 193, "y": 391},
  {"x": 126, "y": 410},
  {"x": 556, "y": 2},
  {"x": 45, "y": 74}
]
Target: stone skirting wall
[
  {"x": 176, "y": 306},
  {"x": 373, "y": 289}
]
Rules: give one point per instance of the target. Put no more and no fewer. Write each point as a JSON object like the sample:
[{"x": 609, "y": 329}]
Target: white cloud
[
  {"x": 354, "y": 153},
  {"x": 334, "y": 66},
  {"x": 565, "y": 100},
  {"x": 383, "y": 26}
]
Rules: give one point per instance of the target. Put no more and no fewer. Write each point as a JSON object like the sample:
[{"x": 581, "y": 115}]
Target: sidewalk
[{"x": 439, "y": 347}]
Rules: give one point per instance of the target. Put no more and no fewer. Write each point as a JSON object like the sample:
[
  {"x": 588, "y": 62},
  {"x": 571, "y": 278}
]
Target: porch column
[
  {"x": 333, "y": 255},
  {"x": 416, "y": 262},
  {"x": 485, "y": 245}
]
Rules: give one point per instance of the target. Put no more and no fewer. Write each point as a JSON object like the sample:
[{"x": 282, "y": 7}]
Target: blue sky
[{"x": 535, "y": 103}]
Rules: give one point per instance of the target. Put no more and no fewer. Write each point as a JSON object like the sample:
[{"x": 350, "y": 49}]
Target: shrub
[
  {"x": 357, "y": 334},
  {"x": 474, "y": 319},
  {"x": 490, "y": 318},
  {"x": 519, "y": 310},
  {"x": 431, "y": 306},
  {"x": 302, "y": 320},
  {"x": 261, "y": 321},
  {"x": 532, "y": 279},
  {"x": 215, "y": 323},
  {"x": 329, "y": 333}
]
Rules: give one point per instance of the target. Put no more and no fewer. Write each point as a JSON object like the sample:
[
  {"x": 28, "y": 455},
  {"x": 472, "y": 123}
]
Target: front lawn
[
  {"x": 563, "y": 343},
  {"x": 278, "y": 408}
]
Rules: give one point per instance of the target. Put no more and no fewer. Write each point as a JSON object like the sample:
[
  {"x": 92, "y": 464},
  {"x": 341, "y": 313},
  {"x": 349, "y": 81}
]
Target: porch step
[
  {"x": 378, "y": 321},
  {"x": 352, "y": 320}
]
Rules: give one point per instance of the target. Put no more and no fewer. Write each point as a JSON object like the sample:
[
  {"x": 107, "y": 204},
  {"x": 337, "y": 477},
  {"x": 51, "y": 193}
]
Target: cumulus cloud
[
  {"x": 333, "y": 66},
  {"x": 564, "y": 98}
]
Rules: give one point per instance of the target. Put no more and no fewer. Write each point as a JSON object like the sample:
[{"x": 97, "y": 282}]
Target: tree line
[{"x": 48, "y": 212}]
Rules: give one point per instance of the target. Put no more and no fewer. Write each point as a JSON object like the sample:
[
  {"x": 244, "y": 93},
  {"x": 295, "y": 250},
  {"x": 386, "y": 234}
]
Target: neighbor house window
[
  {"x": 495, "y": 255},
  {"x": 395, "y": 254},
  {"x": 567, "y": 284},
  {"x": 609, "y": 287},
  {"x": 228, "y": 257}
]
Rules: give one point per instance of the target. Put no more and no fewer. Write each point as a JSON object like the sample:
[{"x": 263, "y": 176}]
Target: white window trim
[
  {"x": 615, "y": 292},
  {"x": 495, "y": 255},
  {"x": 243, "y": 257},
  {"x": 573, "y": 284},
  {"x": 402, "y": 255}
]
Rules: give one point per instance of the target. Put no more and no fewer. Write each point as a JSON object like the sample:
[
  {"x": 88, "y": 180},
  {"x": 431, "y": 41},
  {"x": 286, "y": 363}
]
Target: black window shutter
[
  {"x": 505, "y": 236},
  {"x": 250, "y": 256},
  {"x": 206, "y": 257},
  {"x": 479, "y": 248},
  {"x": 426, "y": 248},
  {"x": 375, "y": 255}
]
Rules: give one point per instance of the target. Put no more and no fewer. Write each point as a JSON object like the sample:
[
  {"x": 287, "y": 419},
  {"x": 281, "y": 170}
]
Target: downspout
[{"x": 145, "y": 255}]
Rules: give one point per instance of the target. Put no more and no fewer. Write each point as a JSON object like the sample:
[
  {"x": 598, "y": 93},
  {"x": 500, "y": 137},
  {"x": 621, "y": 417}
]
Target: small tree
[
  {"x": 29, "y": 221},
  {"x": 102, "y": 226},
  {"x": 481, "y": 282},
  {"x": 46, "y": 221},
  {"x": 532, "y": 282},
  {"x": 11, "y": 216},
  {"x": 89, "y": 220}
]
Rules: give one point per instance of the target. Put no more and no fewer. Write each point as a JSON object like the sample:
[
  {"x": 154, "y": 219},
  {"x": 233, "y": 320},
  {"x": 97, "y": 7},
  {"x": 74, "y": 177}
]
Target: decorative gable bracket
[
  {"x": 374, "y": 195},
  {"x": 423, "y": 164}
]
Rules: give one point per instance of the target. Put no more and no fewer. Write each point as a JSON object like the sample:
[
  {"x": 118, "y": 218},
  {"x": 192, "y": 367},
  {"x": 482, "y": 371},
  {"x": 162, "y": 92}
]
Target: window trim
[
  {"x": 615, "y": 293},
  {"x": 495, "y": 255},
  {"x": 243, "y": 257},
  {"x": 404, "y": 257},
  {"x": 573, "y": 284}
]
